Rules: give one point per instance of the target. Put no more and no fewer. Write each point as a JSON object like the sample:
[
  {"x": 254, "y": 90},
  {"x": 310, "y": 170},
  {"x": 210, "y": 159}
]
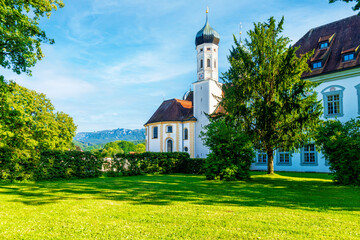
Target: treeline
[
  {"x": 28, "y": 126},
  {"x": 119, "y": 147}
]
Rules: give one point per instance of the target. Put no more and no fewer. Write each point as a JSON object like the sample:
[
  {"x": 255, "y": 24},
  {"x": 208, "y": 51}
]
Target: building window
[
  {"x": 215, "y": 63},
  {"x": 186, "y": 134},
  {"x": 201, "y": 49},
  {"x": 214, "y": 49},
  {"x": 333, "y": 101},
  {"x": 283, "y": 157},
  {"x": 208, "y": 63},
  {"x": 155, "y": 132},
  {"x": 169, "y": 129},
  {"x": 309, "y": 155},
  {"x": 169, "y": 145},
  {"x": 317, "y": 65},
  {"x": 348, "y": 57},
  {"x": 358, "y": 95},
  {"x": 323, "y": 45},
  {"x": 186, "y": 149},
  {"x": 146, "y": 131},
  {"x": 201, "y": 63},
  {"x": 261, "y": 158},
  {"x": 209, "y": 49}
]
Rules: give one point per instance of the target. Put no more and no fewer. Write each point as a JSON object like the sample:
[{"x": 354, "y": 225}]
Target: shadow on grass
[{"x": 287, "y": 190}]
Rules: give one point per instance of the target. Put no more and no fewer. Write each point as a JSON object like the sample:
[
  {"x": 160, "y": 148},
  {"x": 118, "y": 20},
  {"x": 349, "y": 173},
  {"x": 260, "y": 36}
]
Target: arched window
[
  {"x": 208, "y": 63},
  {"x": 186, "y": 134},
  {"x": 201, "y": 63},
  {"x": 169, "y": 145},
  {"x": 186, "y": 149}
]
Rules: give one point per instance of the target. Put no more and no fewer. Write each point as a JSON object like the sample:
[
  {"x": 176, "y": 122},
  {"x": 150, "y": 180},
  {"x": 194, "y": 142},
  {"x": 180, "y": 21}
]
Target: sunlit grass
[{"x": 283, "y": 206}]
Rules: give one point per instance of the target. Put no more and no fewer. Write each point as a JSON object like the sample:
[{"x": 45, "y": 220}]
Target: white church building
[{"x": 177, "y": 123}]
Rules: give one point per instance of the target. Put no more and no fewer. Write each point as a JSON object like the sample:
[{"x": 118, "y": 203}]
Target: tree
[
  {"x": 340, "y": 144},
  {"x": 20, "y": 34},
  {"x": 231, "y": 151},
  {"x": 140, "y": 148},
  {"x": 264, "y": 93},
  {"x": 355, "y": 8}
]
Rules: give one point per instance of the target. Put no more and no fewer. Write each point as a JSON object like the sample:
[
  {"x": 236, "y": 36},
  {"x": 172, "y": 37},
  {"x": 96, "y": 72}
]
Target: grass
[{"x": 283, "y": 206}]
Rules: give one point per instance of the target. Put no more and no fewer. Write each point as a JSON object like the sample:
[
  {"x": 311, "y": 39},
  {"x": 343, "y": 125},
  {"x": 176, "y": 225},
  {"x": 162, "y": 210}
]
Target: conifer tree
[{"x": 264, "y": 93}]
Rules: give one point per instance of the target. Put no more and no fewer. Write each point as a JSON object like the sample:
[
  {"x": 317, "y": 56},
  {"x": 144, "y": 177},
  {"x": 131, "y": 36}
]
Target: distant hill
[{"x": 105, "y": 136}]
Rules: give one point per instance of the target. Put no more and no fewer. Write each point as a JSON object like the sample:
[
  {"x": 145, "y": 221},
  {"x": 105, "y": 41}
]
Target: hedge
[
  {"x": 68, "y": 164},
  {"x": 151, "y": 162}
]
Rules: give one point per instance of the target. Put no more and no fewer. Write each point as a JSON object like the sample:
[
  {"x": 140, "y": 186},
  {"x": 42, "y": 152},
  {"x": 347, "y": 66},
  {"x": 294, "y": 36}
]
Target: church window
[
  {"x": 169, "y": 145},
  {"x": 214, "y": 49},
  {"x": 209, "y": 49},
  {"x": 215, "y": 63},
  {"x": 201, "y": 49},
  {"x": 208, "y": 63},
  {"x": 201, "y": 63},
  {"x": 155, "y": 132},
  {"x": 186, "y": 134},
  {"x": 169, "y": 129},
  {"x": 186, "y": 149}
]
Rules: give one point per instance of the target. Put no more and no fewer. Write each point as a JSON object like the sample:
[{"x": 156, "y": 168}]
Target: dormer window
[
  {"x": 323, "y": 45},
  {"x": 317, "y": 65},
  {"x": 348, "y": 57}
]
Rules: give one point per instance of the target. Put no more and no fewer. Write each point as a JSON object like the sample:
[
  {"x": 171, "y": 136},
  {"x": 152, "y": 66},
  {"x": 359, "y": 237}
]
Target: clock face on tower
[{"x": 201, "y": 76}]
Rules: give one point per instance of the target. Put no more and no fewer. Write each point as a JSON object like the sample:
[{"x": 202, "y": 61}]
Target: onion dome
[{"x": 207, "y": 34}]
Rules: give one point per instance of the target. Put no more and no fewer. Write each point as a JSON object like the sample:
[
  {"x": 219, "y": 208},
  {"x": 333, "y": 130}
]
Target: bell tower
[{"x": 206, "y": 88}]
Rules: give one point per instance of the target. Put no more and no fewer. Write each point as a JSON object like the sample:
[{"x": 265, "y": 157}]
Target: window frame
[
  {"x": 186, "y": 134},
  {"x": 208, "y": 63},
  {"x": 326, "y": 94},
  {"x": 324, "y": 42},
  {"x": 358, "y": 95},
  {"x": 257, "y": 158},
  {"x": 167, "y": 129},
  {"x": 316, "y": 62},
  {"x": 303, "y": 152},
  {"x": 282, "y": 151},
  {"x": 153, "y": 132},
  {"x": 348, "y": 54}
]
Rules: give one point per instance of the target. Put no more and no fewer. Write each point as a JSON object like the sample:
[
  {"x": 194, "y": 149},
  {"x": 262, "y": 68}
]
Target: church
[
  {"x": 176, "y": 124},
  {"x": 335, "y": 65}
]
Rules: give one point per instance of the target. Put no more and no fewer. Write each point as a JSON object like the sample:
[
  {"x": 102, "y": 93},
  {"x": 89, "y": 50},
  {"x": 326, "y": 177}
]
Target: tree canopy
[
  {"x": 355, "y": 8},
  {"x": 264, "y": 93},
  {"x": 20, "y": 34}
]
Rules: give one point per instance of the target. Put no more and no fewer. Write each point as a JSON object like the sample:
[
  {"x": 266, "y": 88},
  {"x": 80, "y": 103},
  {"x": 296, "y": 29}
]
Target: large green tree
[
  {"x": 20, "y": 34},
  {"x": 264, "y": 93},
  {"x": 355, "y": 8}
]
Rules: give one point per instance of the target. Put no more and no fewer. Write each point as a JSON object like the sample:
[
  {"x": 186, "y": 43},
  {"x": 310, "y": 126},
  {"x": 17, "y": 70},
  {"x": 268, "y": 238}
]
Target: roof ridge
[{"x": 330, "y": 23}]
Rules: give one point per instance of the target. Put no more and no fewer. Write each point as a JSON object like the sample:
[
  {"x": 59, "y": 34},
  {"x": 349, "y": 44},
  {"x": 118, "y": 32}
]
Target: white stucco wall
[{"x": 346, "y": 80}]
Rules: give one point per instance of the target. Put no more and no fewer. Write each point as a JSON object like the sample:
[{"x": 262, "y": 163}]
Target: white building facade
[{"x": 177, "y": 124}]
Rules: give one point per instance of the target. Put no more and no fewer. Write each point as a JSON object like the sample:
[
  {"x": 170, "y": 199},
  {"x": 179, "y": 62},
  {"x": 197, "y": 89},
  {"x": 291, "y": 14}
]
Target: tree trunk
[{"x": 270, "y": 155}]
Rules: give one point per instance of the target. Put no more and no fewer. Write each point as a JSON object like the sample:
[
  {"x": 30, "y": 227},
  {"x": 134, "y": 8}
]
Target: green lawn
[{"x": 283, "y": 206}]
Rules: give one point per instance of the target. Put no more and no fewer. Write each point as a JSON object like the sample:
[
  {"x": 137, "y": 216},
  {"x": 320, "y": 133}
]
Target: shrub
[
  {"x": 67, "y": 164},
  {"x": 231, "y": 152},
  {"x": 340, "y": 144}
]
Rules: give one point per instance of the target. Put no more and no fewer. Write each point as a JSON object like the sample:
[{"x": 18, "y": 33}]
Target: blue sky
[{"x": 115, "y": 61}]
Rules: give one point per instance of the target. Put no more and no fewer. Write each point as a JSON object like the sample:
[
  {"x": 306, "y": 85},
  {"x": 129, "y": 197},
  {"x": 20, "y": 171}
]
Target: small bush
[
  {"x": 231, "y": 152},
  {"x": 340, "y": 144}
]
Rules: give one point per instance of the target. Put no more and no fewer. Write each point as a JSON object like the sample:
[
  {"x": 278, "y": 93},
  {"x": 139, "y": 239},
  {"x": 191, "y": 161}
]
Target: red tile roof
[
  {"x": 173, "y": 110},
  {"x": 344, "y": 37}
]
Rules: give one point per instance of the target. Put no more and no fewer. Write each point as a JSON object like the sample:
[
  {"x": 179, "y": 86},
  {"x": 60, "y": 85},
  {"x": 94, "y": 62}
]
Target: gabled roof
[
  {"x": 173, "y": 110},
  {"x": 343, "y": 36}
]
